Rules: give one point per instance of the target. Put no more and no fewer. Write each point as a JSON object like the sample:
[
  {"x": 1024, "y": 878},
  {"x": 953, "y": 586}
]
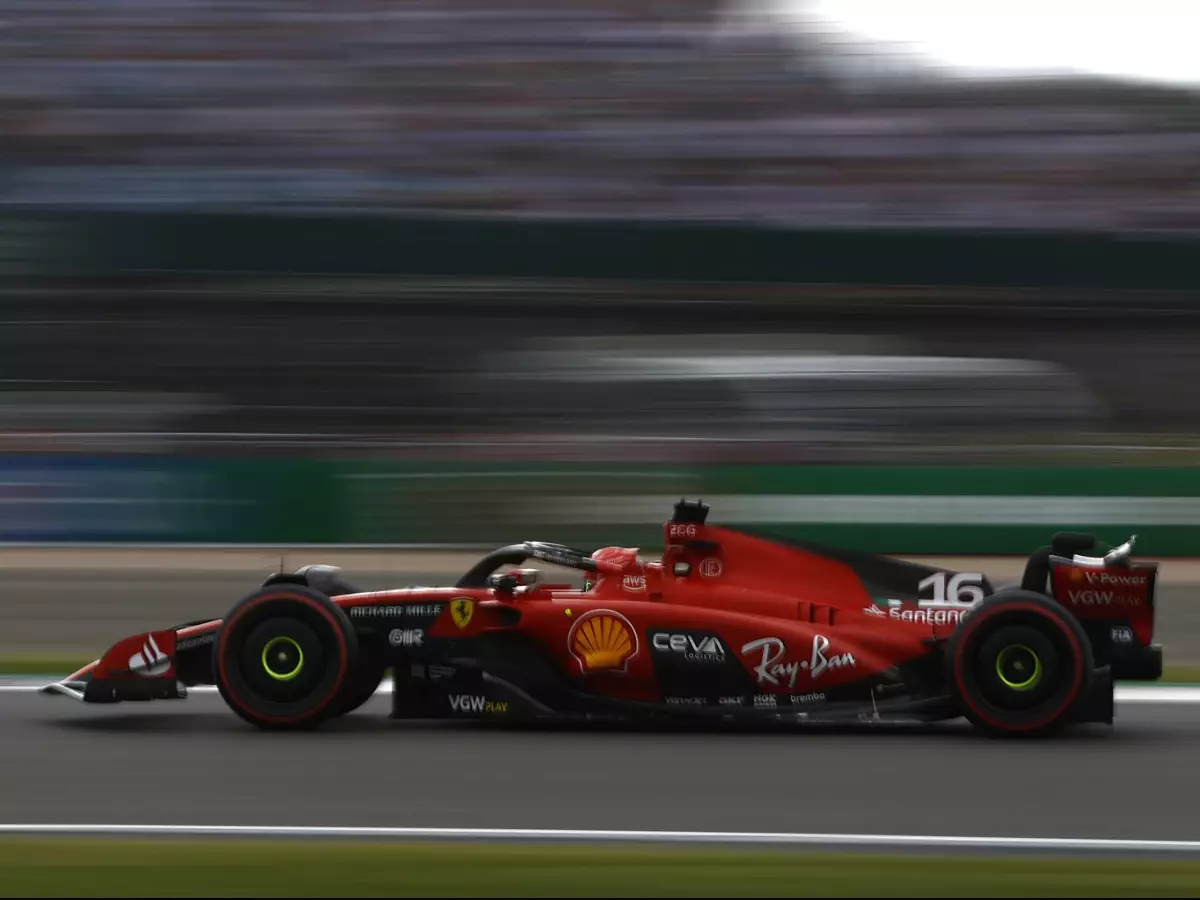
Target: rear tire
[
  {"x": 284, "y": 657},
  {"x": 1019, "y": 664}
]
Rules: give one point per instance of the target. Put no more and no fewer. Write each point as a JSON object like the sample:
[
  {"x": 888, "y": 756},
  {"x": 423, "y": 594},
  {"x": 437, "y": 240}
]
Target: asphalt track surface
[
  {"x": 194, "y": 762},
  {"x": 80, "y": 610}
]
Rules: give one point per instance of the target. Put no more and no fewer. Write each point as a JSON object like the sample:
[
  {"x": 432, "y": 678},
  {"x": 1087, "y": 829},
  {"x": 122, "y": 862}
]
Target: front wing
[{"x": 151, "y": 665}]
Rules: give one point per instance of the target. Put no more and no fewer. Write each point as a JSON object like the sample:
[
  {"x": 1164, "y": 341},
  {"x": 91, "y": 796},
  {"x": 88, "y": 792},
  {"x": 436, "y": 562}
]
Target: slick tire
[
  {"x": 1019, "y": 665},
  {"x": 284, "y": 657}
]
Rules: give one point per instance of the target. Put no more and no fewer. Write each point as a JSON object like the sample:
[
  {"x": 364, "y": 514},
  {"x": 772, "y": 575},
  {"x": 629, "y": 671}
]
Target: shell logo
[
  {"x": 603, "y": 641},
  {"x": 1076, "y": 575}
]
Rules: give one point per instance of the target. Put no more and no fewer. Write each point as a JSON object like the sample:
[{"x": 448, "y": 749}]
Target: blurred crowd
[{"x": 584, "y": 108}]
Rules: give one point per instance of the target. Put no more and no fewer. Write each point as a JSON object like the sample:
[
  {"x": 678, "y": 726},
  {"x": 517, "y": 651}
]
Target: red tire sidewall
[{"x": 334, "y": 692}]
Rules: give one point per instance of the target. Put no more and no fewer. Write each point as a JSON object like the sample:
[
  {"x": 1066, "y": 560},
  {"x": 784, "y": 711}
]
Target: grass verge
[
  {"x": 46, "y": 867},
  {"x": 1181, "y": 674},
  {"x": 61, "y": 665},
  {"x": 55, "y": 665}
]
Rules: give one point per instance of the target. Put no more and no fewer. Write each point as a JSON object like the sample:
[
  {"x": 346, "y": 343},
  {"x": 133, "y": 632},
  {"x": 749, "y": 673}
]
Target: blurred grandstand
[
  {"x": 539, "y": 108},
  {"x": 686, "y": 109}
]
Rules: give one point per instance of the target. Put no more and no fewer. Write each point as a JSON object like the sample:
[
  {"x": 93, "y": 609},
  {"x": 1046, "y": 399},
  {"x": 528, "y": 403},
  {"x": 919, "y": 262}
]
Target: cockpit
[
  {"x": 620, "y": 564},
  {"x": 605, "y": 561}
]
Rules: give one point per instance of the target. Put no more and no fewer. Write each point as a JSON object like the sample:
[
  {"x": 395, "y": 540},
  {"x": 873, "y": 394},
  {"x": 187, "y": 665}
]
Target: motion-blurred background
[{"x": 463, "y": 272}]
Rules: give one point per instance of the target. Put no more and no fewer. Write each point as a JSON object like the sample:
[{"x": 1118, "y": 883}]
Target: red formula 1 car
[{"x": 729, "y": 624}]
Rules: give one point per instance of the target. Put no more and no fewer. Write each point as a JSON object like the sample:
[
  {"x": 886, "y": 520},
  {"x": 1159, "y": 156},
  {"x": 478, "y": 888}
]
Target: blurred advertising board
[
  {"x": 910, "y": 509},
  {"x": 152, "y": 499},
  {"x": 54, "y": 499}
]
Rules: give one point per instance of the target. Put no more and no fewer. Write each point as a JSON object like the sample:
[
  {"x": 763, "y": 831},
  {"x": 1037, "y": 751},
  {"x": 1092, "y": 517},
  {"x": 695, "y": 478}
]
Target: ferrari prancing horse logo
[{"x": 461, "y": 610}]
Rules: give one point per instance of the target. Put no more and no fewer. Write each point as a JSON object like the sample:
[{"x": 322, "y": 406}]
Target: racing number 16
[{"x": 964, "y": 587}]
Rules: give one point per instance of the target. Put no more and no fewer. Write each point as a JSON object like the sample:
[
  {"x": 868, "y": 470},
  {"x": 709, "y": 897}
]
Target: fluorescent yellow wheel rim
[
  {"x": 278, "y": 653},
  {"x": 1019, "y": 668}
]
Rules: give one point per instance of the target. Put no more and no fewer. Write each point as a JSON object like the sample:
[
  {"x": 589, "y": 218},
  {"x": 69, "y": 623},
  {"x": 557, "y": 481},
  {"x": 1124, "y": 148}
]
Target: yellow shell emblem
[
  {"x": 461, "y": 610},
  {"x": 603, "y": 640}
]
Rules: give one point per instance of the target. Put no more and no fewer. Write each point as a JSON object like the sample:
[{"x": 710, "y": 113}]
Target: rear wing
[
  {"x": 1111, "y": 595},
  {"x": 1110, "y": 588}
]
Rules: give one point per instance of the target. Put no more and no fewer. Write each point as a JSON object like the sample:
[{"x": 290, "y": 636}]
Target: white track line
[
  {"x": 571, "y": 834},
  {"x": 1130, "y": 693},
  {"x": 1157, "y": 694}
]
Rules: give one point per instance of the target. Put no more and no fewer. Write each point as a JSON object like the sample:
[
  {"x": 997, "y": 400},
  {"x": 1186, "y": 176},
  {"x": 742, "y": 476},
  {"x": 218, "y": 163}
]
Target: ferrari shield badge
[{"x": 461, "y": 611}]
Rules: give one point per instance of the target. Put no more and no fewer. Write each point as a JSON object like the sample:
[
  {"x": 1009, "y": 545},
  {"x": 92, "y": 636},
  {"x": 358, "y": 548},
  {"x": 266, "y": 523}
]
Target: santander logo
[{"x": 150, "y": 660}]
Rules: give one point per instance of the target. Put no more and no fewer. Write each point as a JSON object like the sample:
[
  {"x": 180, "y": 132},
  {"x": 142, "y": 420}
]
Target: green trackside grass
[
  {"x": 41, "y": 867},
  {"x": 1181, "y": 674},
  {"x": 54, "y": 665},
  {"x": 61, "y": 665}
]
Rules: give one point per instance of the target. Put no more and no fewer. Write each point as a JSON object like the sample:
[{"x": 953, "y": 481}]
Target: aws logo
[{"x": 603, "y": 641}]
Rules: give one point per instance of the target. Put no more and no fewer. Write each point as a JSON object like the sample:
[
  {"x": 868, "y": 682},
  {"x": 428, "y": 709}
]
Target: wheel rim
[
  {"x": 282, "y": 658},
  {"x": 1019, "y": 668}
]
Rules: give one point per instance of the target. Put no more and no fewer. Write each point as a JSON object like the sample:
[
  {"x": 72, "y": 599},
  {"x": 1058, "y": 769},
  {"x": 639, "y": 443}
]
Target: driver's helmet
[{"x": 625, "y": 557}]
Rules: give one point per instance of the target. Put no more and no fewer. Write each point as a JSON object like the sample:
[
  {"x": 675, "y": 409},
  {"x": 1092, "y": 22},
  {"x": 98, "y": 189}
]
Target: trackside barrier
[{"x": 70, "y": 243}]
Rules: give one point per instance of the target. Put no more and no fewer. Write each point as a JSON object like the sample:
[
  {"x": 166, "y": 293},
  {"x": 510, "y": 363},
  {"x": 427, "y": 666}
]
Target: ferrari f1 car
[{"x": 729, "y": 625}]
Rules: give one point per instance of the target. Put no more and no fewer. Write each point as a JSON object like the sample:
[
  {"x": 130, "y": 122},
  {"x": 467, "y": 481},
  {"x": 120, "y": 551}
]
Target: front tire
[
  {"x": 284, "y": 657},
  {"x": 1019, "y": 664}
]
